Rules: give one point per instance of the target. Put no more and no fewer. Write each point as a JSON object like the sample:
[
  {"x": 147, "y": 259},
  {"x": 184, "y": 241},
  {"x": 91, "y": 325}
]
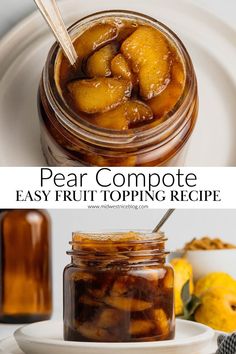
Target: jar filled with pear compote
[{"x": 118, "y": 288}]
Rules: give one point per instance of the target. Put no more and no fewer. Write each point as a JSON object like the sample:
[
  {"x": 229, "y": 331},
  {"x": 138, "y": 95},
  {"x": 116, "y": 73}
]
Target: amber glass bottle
[{"x": 25, "y": 266}]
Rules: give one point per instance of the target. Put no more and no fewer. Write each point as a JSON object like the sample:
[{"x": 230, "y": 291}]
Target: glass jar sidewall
[
  {"x": 88, "y": 155},
  {"x": 73, "y": 313}
]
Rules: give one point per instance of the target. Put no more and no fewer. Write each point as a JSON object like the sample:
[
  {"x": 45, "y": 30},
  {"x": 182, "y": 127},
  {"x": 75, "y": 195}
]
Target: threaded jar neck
[{"x": 117, "y": 249}]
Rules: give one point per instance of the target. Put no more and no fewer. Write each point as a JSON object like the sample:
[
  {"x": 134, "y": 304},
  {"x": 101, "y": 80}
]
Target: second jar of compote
[
  {"x": 118, "y": 288},
  {"x": 130, "y": 101}
]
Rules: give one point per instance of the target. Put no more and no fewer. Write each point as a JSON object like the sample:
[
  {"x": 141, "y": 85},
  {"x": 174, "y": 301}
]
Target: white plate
[
  {"x": 47, "y": 337},
  {"x": 210, "y": 42}
]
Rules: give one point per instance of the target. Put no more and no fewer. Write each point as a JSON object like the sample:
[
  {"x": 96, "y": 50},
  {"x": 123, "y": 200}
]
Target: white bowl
[{"x": 205, "y": 262}]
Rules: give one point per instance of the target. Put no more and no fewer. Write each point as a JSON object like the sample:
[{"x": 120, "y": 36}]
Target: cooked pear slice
[
  {"x": 120, "y": 68},
  {"x": 96, "y": 160},
  {"x": 99, "y": 95},
  {"x": 127, "y": 304},
  {"x": 119, "y": 287},
  {"x": 99, "y": 63},
  {"x": 115, "y": 119},
  {"x": 124, "y": 116},
  {"x": 94, "y": 37},
  {"x": 86, "y": 300},
  {"x": 168, "y": 280},
  {"x": 89, "y": 41},
  {"x": 167, "y": 99},
  {"x": 92, "y": 332},
  {"x": 162, "y": 321},
  {"x": 122, "y": 285},
  {"x": 150, "y": 84},
  {"x": 137, "y": 112},
  {"x": 82, "y": 276},
  {"x": 140, "y": 327},
  {"x": 109, "y": 318},
  {"x": 148, "y": 51}
]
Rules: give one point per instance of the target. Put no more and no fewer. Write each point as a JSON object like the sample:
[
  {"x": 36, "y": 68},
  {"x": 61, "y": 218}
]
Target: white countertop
[{"x": 7, "y": 330}]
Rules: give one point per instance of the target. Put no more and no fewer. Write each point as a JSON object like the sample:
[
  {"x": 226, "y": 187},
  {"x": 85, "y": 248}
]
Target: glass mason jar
[
  {"x": 118, "y": 288},
  {"x": 69, "y": 140},
  {"x": 25, "y": 266}
]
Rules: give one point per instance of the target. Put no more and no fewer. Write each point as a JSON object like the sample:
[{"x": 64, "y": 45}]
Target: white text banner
[{"x": 105, "y": 187}]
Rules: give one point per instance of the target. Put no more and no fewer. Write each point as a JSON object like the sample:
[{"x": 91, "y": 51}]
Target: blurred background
[{"x": 183, "y": 226}]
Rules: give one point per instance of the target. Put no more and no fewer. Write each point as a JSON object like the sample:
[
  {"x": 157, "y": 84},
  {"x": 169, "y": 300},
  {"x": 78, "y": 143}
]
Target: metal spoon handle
[
  {"x": 163, "y": 220},
  {"x": 52, "y": 16}
]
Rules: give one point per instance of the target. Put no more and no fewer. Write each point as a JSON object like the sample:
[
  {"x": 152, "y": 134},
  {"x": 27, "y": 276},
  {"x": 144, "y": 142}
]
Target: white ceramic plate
[
  {"x": 210, "y": 42},
  {"x": 47, "y": 337}
]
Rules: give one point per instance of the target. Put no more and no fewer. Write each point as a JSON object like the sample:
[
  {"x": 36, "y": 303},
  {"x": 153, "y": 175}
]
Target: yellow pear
[
  {"x": 218, "y": 309},
  {"x": 216, "y": 279},
  {"x": 183, "y": 273}
]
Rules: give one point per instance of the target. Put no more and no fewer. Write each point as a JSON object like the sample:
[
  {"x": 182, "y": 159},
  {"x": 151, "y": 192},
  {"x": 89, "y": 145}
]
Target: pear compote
[
  {"x": 118, "y": 288},
  {"x": 127, "y": 75},
  {"x": 131, "y": 98}
]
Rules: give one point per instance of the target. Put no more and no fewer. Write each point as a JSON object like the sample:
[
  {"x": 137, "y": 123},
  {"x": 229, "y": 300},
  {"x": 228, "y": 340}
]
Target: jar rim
[
  {"x": 118, "y": 246},
  {"x": 139, "y": 236},
  {"x": 82, "y": 128}
]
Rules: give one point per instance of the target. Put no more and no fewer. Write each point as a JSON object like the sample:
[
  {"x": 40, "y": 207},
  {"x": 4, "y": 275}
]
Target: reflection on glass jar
[
  {"x": 122, "y": 105},
  {"x": 118, "y": 288}
]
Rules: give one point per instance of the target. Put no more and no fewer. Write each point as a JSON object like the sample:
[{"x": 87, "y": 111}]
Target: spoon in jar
[
  {"x": 52, "y": 16},
  {"x": 163, "y": 220}
]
